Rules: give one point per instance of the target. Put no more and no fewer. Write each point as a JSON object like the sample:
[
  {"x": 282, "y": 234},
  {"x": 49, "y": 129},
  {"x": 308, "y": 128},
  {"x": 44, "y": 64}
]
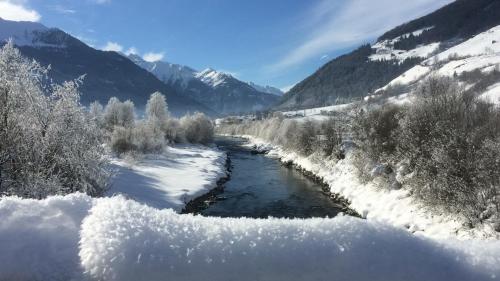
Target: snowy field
[
  {"x": 171, "y": 179},
  {"x": 377, "y": 203},
  {"x": 75, "y": 237}
]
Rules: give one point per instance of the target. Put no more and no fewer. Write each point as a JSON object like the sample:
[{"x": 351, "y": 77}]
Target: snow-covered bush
[
  {"x": 48, "y": 144},
  {"x": 147, "y": 138},
  {"x": 374, "y": 131},
  {"x": 197, "y": 128},
  {"x": 156, "y": 130},
  {"x": 96, "y": 112},
  {"x": 119, "y": 113},
  {"x": 305, "y": 138},
  {"x": 122, "y": 140},
  {"x": 450, "y": 139}
]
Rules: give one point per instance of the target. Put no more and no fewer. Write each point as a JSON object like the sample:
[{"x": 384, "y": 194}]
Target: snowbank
[
  {"x": 394, "y": 207},
  {"x": 123, "y": 240},
  {"x": 172, "y": 179},
  {"x": 492, "y": 94},
  {"x": 39, "y": 238}
]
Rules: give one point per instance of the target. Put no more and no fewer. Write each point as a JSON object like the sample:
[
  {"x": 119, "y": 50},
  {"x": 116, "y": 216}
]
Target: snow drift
[{"x": 121, "y": 239}]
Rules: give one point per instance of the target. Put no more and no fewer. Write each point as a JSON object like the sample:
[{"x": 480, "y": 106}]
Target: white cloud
[
  {"x": 324, "y": 57},
  {"x": 100, "y": 1},
  {"x": 331, "y": 26},
  {"x": 62, "y": 10},
  {"x": 132, "y": 51},
  {"x": 152, "y": 57},
  {"x": 17, "y": 12},
  {"x": 113, "y": 46}
]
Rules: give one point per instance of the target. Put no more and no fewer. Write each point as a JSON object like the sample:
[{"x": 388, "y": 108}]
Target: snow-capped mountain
[
  {"x": 213, "y": 78},
  {"x": 169, "y": 73},
  {"x": 215, "y": 89},
  {"x": 22, "y": 33},
  {"x": 107, "y": 74},
  {"x": 266, "y": 89}
]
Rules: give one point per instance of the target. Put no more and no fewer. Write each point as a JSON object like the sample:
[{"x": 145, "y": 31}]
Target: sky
[{"x": 269, "y": 42}]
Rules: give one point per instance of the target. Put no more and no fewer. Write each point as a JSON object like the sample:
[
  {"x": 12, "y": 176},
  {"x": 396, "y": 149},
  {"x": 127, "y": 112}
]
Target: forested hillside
[{"x": 357, "y": 74}]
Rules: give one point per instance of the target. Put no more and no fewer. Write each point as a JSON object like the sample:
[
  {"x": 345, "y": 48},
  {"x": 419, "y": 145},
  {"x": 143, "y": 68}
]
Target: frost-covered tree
[
  {"x": 96, "y": 112},
  {"x": 197, "y": 128},
  {"x": 48, "y": 145},
  {"x": 112, "y": 113},
  {"x": 126, "y": 115},
  {"x": 156, "y": 107}
]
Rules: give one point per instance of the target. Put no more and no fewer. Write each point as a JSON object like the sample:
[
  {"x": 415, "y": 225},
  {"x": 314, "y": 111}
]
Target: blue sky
[{"x": 270, "y": 42}]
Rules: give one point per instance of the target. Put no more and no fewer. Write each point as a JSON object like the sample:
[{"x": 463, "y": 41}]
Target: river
[{"x": 260, "y": 187}]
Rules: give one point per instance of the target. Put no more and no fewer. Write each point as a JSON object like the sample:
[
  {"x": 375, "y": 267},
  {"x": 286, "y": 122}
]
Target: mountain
[
  {"x": 370, "y": 67},
  {"x": 107, "y": 74},
  {"x": 474, "y": 62},
  {"x": 266, "y": 89},
  {"x": 217, "y": 90}
]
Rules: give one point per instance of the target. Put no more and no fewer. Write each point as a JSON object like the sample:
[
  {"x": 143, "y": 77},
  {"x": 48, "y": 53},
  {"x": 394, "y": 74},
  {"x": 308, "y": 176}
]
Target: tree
[
  {"x": 112, "y": 113},
  {"x": 48, "y": 144},
  {"x": 96, "y": 112},
  {"x": 126, "y": 115},
  {"x": 156, "y": 107}
]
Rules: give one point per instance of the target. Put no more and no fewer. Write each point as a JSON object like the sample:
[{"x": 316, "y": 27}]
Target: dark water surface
[{"x": 261, "y": 187}]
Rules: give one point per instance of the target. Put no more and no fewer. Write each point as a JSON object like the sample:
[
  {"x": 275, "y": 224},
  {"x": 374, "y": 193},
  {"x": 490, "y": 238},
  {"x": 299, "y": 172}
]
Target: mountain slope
[
  {"x": 107, "y": 74},
  {"x": 474, "y": 62},
  {"x": 368, "y": 68},
  {"x": 216, "y": 90}
]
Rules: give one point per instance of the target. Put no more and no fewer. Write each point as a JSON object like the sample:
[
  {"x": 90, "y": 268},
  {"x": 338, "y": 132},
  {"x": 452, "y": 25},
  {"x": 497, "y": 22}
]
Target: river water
[{"x": 260, "y": 187}]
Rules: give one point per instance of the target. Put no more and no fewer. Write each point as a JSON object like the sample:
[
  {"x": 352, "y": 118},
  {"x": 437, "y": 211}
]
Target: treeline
[
  {"x": 126, "y": 133},
  {"x": 444, "y": 146},
  {"x": 305, "y": 137}
]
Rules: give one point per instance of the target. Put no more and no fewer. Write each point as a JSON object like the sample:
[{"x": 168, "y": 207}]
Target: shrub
[
  {"x": 197, "y": 128},
  {"x": 374, "y": 131},
  {"x": 448, "y": 136}
]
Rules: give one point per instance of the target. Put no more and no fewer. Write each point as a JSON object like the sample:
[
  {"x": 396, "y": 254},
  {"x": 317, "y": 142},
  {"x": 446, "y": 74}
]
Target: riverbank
[
  {"x": 171, "y": 179},
  {"x": 375, "y": 202}
]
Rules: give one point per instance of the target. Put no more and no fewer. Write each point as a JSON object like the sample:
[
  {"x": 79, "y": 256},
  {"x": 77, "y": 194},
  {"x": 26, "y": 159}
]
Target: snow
[
  {"x": 470, "y": 64},
  {"x": 39, "y": 238},
  {"x": 388, "y": 53},
  {"x": 484, "y": 43},
  {"x": 171, "y": 179},
  {"x": 24, "y": 33},
  {"x": 384, "y": 50},
  {"x": 76, "y": 238},
  {"x": 212, "y": 77},
  {"x": 266, "y": 89},
  {"x": 318, "y": 110},
  {"x": 492, "y": 94},
  {"x": 167, "y": 72},
  {"x": 482, "y": 52},
  {"x": 376, "y": 203}
]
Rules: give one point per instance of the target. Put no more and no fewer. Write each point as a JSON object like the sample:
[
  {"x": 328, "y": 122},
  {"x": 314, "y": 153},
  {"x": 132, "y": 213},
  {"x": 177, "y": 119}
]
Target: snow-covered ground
[
  {"x": 76, "y": 237},
  {"x": 492, "y": 94},
  {"x": 482, "y": 52},
  {"x": 171, "y": 179},
  {"x": 384, "y": 50},
  {"x": 378, "y": 203}
]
